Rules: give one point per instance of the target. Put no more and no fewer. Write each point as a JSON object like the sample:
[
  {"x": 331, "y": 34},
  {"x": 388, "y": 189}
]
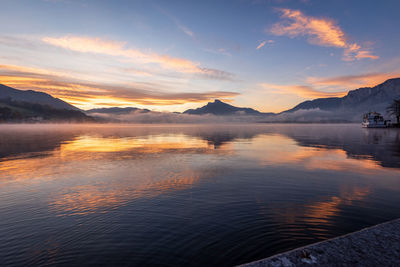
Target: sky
[{"x": 173, "y": 55}]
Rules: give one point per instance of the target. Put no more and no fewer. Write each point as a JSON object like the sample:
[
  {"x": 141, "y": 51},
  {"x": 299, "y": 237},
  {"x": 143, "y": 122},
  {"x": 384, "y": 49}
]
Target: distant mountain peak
[
  {"x": 221, "y": 108},
  {"x": 218, "y": 102}
]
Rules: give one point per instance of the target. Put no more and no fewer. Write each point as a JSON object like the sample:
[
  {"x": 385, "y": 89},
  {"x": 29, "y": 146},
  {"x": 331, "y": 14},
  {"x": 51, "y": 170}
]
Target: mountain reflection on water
[{"x": 188, "y": 194}]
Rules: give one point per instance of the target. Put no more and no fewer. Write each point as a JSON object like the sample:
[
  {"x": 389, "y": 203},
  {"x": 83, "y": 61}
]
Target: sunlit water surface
[{"x": 188, "y": 195}]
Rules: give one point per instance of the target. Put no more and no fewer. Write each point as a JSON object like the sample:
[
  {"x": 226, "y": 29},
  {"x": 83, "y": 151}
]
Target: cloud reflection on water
[{"x": 101, "y": 168}]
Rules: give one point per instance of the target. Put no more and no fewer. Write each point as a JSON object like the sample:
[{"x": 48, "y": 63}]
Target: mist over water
[
  {"x": 299, "y": 116},
  {"x": 198, "y": 195}
]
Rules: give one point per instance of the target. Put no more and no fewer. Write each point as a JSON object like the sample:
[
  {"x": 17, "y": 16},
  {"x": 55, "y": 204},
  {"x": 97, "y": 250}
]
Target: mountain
[
  {"x": 117, "y": 110},
  {"x": 30, "y": 96},
  {"x": 32, "y": 106},
  {"x": 220, "y": 108},
  {"x": 358, "y": 101},
  {"x": 20, "y": 111}
]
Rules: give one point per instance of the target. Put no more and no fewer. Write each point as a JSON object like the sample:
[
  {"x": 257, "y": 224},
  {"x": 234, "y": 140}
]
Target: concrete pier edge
[{"x": 377, "y": 245}]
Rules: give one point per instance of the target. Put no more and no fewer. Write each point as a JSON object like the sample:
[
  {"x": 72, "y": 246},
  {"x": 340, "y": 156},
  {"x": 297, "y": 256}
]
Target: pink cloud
[
  {"x": 318, "y": 31},
  {"x": 300, "y": 90},
  {"x": 261, "y": 44}
]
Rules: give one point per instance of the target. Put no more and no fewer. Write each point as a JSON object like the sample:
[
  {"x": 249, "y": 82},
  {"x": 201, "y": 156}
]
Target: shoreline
[{"x": 377, "y": 245}]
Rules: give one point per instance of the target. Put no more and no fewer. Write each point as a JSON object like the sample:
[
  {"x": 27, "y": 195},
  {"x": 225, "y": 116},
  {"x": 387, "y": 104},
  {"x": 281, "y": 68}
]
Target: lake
[{"x": 188, "y": 195}]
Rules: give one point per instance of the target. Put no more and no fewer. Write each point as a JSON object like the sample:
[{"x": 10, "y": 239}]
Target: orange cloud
[
  {"x": 137, "y": 72},
  {"x": 93, "y": 45},
  {"x": 351, "y": 81},
  {"x": 365, "y": 54},
  {"x": 86, "y": 94},
  {"x": 118, "y": 49},
  {"x": 261, "y": 45},
  {"x": 300, "y": 90},
  {"x": 108, "y": 47},
  {"x": 319, "y": 31}
]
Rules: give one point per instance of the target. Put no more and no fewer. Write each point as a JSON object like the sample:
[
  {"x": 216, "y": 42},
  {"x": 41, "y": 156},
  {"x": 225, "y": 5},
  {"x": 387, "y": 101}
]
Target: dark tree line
[{"x": 7, "y": 114}]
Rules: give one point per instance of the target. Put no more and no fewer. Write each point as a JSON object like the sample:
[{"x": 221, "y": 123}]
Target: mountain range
[
  {"x": 363, "y": 99},
  {"x": 349, "y": 108},
  {"x": 338, "y": 109}
]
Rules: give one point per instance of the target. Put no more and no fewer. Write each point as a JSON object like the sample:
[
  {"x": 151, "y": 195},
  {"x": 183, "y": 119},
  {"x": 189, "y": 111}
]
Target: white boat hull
[{"x": 366, "y": 125}]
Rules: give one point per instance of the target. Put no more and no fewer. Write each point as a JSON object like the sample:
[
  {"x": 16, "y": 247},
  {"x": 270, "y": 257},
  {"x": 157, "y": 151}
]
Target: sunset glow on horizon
[{"x": 267, "y": 55}]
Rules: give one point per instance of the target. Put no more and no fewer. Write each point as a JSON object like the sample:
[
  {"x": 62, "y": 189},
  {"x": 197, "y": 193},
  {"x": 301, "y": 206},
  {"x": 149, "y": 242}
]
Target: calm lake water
[{"x": 188, "y": 195}]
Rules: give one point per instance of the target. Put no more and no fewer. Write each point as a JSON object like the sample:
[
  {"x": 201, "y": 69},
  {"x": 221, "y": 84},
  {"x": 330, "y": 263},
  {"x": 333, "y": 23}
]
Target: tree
[{"x": 394, "y": 109}]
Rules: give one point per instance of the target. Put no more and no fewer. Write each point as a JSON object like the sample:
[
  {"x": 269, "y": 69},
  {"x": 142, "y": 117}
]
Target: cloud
[
  {"x": 354, "y": 51},
  {"x": 135, "y": 62},
  {"x": 318, "y": 31},
  {"x": 112, "y": 48},
  {"x": 219, "y": 51},
  {"x": 85, "y": 94},
  {"x": 263, "y": 43},
  {"x": 322, "y": 32},
  {"x": 180, "y": 26},
  {"x": 365, "y": 54},
  {"x": 351, "y": 81},
  {"x": 217, "y": 74},
  {"x": 300, "y": 90},
  {"x": 119, "y": 49},
  {"x": 185, "y": 29},
  {"x": 137, "y": 72}
]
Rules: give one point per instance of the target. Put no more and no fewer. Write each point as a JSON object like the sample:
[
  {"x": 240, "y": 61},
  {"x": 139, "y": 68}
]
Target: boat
[{"x": 374, "y": 120}]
